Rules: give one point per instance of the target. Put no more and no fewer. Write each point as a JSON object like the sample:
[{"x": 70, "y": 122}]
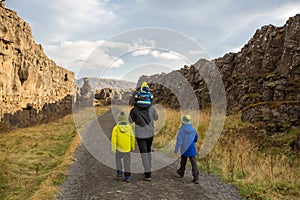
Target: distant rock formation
[
  {"x": 100, "y": 83},
  {"x": 111, "y": 96},
  {"x": 87, "y": 96},
  {"x": 32, "y": 87},
  {"x": 262, "y": 80}
]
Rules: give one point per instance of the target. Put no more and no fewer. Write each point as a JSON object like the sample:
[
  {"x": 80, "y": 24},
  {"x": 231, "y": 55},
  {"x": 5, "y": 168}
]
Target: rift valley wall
[
  {"x": 32, "y": 87},
  {"x": 262, "y": 81}
]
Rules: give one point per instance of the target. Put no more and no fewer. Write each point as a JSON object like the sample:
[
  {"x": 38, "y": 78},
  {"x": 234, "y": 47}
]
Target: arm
[
  {"x": 132, "y": 140},
  {"x": 131, "y": 116},
  {"x": 196, "y": 137},
  {"x": 114, "y": 139},
  {"x": 178, "y": 142},
  {"x": 137, "y": 96},
  {"x": 151, "y": 97},
  {"x": 154, "y": 113}
]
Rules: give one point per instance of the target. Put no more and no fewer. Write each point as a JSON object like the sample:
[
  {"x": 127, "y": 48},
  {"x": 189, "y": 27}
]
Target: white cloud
[
  {"x": 196, "y": 52},
  {"x": 83, "y": 25},
  {"x": 141, "y": 52},
  {"x": 166, "y": 55},
  {"x": 170, "y": 55},
  {"x": 93, "y": 55}
]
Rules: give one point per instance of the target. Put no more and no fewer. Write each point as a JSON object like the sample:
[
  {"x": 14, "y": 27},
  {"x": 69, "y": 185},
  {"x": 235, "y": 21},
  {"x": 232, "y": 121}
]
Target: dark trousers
[
  {"x": 145, "y": 150},
  {"x": 183, "y": 161},
  {"x": 126, "y": 160}
]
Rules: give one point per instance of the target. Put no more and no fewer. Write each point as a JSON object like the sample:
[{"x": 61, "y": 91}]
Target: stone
[
  {"x": 32, "y": 86},
  {"x": 267, "y": 66}
]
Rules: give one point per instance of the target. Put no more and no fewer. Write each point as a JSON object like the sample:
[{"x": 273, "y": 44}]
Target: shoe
[
  {"x": 119, "y": 173},
  {"x": 127, "y": 178},
  {"x": 180, "y": 173},
  {"x": 195, "y": 181},
  {"x": 147, "y": 178}
]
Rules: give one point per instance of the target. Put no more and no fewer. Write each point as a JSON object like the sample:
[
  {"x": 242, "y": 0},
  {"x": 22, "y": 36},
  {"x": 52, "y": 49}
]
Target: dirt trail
[{"x": 90, "y": 179}]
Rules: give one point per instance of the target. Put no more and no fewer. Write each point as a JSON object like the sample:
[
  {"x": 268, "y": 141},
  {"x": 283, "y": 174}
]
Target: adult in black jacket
[{"x": 144, "y": 132}]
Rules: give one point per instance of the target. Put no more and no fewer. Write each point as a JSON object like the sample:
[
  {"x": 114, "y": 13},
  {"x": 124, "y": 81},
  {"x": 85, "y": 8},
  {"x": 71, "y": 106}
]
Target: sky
[{"x": 127, "y": 39}]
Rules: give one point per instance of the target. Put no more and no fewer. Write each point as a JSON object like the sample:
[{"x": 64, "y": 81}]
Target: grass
[
  {"x": 261, "y": 166},
  {"x": 34, "y": 160}
]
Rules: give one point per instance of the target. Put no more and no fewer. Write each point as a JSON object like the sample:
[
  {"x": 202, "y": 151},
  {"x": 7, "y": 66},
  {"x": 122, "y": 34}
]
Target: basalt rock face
[
  {"x": 32, "y": 87},
  {"x": 86, "y": 95},
  {"x": 266, "y": 71},
  {"x": 112, "y": 96}
]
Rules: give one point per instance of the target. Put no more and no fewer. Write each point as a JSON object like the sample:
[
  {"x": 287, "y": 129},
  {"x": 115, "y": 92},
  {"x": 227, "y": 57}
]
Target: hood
[
  {"x": 124, "y": 126},
  {"x": 186, "y": 128}
]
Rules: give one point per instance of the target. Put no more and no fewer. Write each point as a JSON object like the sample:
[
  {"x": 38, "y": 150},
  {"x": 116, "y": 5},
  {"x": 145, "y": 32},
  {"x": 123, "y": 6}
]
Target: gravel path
[{"x": 90, "y": 179}]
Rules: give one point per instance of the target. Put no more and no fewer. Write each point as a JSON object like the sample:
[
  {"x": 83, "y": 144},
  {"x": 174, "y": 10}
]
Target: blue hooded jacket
[{"x": 186, "y": 140}]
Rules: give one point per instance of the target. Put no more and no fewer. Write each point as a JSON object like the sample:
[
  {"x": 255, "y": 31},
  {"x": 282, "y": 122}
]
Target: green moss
[
  {"x": 271, "y": 84},
  {"x": 269, "y": 75}
]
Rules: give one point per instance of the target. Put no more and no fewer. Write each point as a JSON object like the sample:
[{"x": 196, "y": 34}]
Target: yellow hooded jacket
[{"x": 122, "y": 138}]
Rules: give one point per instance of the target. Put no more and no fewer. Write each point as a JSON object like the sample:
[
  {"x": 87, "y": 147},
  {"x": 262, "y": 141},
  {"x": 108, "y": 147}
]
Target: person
[
  {"x": 186, "y": 141},
  {"x": 143, "y": 98},
  {"x": 144, "y": 118},
  {"x": 123, "y": 142}
]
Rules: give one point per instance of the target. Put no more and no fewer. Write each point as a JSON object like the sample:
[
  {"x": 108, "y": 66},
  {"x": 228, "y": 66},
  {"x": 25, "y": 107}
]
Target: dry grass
[
  {"x": 34, "y": 160},
  {"x": 260, "y": 172}
]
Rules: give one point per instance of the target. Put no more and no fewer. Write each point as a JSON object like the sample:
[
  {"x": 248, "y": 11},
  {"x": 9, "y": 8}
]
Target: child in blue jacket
[{"x": 186, "y": 142}]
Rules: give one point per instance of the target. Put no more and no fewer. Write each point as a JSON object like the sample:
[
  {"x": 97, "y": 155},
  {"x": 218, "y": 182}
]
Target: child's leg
[
  {"x": 195, "y": 171},
  {"x": 181, "y": 170},
  {"x": 126, "y": 161},
  {"x": 118, "y": 162}
]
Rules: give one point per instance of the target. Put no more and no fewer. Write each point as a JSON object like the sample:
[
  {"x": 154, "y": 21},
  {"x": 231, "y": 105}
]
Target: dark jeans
[
  {"x": 145, "y": 150},
  {"x": 183, "y": 161},
  {"x": 126, "y": 159}
]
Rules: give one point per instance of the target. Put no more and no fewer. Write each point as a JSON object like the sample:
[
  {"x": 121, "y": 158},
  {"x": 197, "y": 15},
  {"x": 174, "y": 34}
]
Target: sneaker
[
  {"x": 147, "y": 178},
  {"x": 180, "y": 173},
  {"x": 119, "y": 173},
  {"x": 127, "y": 178},
  {"x": 195, "y": 181}
]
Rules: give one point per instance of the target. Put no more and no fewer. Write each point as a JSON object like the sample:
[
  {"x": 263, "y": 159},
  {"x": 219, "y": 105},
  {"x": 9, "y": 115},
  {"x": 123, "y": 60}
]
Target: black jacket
[{"x": 144, "y": 121}]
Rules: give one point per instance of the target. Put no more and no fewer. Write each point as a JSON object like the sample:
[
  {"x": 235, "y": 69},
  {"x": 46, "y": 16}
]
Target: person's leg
[
  {"x": 126, "y": 161},
  {"x": 119, "y": 163},
  {"x": 149, "y": 142},
  {"x": 142, "y": 143},
  {"x": 195, "y": 171},
  {"x": 181, "y": 169}
]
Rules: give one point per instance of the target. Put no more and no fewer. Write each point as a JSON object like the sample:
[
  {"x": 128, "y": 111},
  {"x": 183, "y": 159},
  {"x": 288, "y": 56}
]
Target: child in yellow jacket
[{"x": 123, "y": 142}]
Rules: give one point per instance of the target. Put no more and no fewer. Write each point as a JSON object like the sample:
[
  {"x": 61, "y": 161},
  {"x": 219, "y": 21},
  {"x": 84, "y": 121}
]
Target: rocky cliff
[
  {"x": 87, "y": 96},
  {"x": 262, "y": 80},
  {"x": 32, "y": 87}
]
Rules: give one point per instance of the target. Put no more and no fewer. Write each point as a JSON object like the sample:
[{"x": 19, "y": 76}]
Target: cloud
[
  {"x": 58, "y": 20},
  {"x": 141, "y": 52},
  {"x": 70, "y": 30},
  {"x": 93, "y": 55},
  {"x": 195, "y": 52},
  {"x": 166, "y": 55}
]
